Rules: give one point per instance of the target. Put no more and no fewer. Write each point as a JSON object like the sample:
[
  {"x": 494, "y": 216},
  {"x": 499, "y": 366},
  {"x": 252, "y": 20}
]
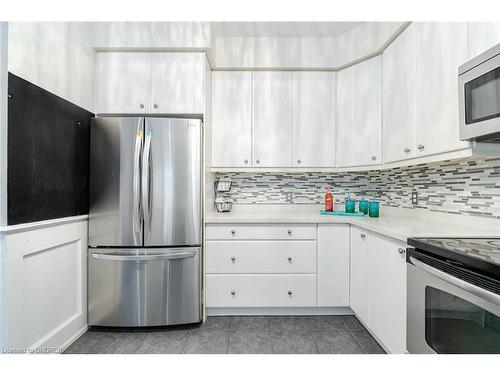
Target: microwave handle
[{"x": 473, "y": 289}]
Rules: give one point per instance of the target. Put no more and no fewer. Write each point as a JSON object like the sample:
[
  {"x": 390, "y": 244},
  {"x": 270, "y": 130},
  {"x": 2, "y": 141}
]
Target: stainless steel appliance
[
  {"x": 453, "y": 295},
  {"x": 479, "y": 93},
  {"x": 145, "y": 221}
]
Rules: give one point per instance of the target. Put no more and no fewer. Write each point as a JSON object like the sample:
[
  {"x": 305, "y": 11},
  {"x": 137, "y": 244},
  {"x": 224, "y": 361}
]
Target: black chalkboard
[{"x": 48, "y": 155}]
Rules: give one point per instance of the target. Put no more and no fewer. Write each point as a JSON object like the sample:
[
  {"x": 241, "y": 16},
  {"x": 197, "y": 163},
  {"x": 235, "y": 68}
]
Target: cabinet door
[
  {"x": 359, "y": 274},
  {"x": 482, "y": 36},
  {"x": 359, "y": 115},
  {"x": 272, "y": 119},
  {"x": 313, "y": 119},
  {"x": 177, "y": 83},
  {"x": 333, "y": 265},
  {"x": 441, "y": 49},
  {"x": 399, "y": 79},
  {"x": 122, "y": 83},
  {"x": 231, "y": 119},
  {"x": 388, "y": 293}
]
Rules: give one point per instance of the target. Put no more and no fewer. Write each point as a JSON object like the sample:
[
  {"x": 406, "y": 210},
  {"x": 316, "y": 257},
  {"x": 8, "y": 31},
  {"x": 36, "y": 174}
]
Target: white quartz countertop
[{"x": 398, "y": 223}]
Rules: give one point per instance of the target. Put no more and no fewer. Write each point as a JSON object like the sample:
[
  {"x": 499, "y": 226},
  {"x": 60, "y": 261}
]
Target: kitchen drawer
[
  {"x": 261, "y": 290},
  {"x": 261, "y": 231},
  {"x": 261, "y": 256}
]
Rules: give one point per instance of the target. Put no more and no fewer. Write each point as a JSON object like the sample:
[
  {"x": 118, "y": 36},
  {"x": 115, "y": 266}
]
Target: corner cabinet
[
  {"x": 157, "y": 83},
  {"x": 272, "y": 119},
  {"x": 231, "y": 119},
  {"x": 359, "y": 114},
  {"x": 378, "y": 286}
]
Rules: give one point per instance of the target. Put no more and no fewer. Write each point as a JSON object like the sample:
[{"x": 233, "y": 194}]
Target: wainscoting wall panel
[{"x": 44, "y": 289}]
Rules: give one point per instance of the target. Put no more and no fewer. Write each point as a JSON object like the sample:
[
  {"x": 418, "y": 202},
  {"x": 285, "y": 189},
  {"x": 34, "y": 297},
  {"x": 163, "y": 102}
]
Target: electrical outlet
[
  {"x": 414, "y": 197},
  {"x": 289, "y": 197}
]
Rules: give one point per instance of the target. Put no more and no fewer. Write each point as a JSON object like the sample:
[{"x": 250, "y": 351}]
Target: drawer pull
[
  {"x": 289, "y": 231},
  {"x": 233, "y": 293},
  {"x": 290, "y": 293},
  {"x": 233, "y": 232},
  {"x": 233, "y": 259},
  {"x": 289, "y": 259},
  {"x": 362, "y": 235}
]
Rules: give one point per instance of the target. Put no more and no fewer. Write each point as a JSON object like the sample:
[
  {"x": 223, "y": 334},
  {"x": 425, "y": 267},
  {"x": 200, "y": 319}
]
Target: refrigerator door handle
[
  {"x": 172, "y": 255},
  {"x": 136, "y": 184},
  {"x": 145, "y": 186}
]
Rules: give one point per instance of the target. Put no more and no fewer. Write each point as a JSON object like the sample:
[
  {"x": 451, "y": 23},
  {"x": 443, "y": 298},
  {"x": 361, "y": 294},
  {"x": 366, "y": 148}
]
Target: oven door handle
[{"x": 473, "y": 289}]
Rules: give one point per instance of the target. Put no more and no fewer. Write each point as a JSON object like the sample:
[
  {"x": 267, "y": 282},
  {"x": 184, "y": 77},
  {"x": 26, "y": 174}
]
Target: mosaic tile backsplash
[{"x": 465, "y": 186}]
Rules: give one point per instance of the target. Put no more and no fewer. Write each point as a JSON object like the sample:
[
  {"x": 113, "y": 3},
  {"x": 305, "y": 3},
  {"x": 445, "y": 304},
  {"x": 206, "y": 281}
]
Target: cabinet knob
[
  {"x": 290, "y": 293},
  {"x": 155, "y": 106},
  {"x": 233, "y": 259},
  {"x": 233, "y": 293},
  {"x": 299, "y": 161},
  {"x": 245, "y": 161},
  {"x": 407, "y": 150},
  {"x": 289, "y": 231},
  {"x": 421, "y": 147},
  {"x": 401, "y": 251},
  {"x": 233, "y": 232},
  {"x": 374, "y": 157},
  {"x": 141, "y": 106},
  {"x": 257, "y": 161},
  {"x": 362, "y": 235},
  {"x": 289, "y": 259}
]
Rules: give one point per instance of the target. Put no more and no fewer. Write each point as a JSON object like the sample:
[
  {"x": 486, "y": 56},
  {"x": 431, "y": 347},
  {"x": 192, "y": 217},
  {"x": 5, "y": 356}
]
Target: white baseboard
[
  {"x": 227, "y": 311},
  {"x": 72, "y": 339}
]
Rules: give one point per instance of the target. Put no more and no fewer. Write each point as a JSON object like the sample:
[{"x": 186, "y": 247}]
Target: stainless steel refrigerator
[{"x": 145, "y": 220}]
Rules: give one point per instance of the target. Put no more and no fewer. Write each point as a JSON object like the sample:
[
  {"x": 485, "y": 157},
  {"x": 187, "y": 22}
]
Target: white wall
[
  {"x": 482, "y": 36},
  {"x": 3, "y": 122},
  {"x": 304, "y": 53},
  {"x": 56, "y": 56},
  {"x": 151, "y": 35},
  {"x": 43, "y": 294}
]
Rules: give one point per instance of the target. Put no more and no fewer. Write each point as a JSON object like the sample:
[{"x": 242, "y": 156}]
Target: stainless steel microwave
[{"x": 479, "y": 94}]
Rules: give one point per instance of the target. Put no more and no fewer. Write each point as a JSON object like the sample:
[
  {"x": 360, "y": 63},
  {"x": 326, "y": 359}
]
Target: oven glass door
[
  {"x": 482, "y": 97},
  {"x": 456, "y": 326}
]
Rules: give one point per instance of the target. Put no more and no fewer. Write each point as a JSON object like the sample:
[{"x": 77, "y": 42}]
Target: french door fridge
[{"x": 145, "y": 220}]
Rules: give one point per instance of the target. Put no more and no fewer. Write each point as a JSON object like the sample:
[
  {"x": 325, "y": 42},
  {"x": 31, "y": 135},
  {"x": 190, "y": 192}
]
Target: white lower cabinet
[
  {"x": 333, "y": 265},
  {"x": 378, "y": 286},
  {"x": 277, "y": 265},
  {"x": 265, "y": 290},
  {"x": 261, "y": 257},
  {"x": 359, "y": 275}
]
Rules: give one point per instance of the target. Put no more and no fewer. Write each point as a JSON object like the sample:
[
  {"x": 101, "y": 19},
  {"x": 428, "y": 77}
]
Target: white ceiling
[{"x": 281, "y": 29}]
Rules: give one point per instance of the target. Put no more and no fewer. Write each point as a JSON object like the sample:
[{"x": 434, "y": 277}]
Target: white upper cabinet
[
  {"x": 359, "y": 114},
  {"x": 441, "y": 49},
  {"x": 272, "y": 119},
  {"x": 122, "y": 83},
  {"x": 159, "y": 83},
  {"x": 482, "y": 36},
  {"x": 313, "y": 119},
  {"x": 399, "y": 104},
  {"x": 177, "y": 84},
  {"x": 231, "y": 119}
]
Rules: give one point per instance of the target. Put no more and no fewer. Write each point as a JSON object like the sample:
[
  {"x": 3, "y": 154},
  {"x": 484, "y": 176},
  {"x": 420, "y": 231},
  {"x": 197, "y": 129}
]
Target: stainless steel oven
[
  {"x": 479, "y": 95},
  {"x": 453, "y": 307}
]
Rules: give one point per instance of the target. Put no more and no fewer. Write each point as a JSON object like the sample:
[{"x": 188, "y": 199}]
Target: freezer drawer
[{"x": 144, "y": 287}]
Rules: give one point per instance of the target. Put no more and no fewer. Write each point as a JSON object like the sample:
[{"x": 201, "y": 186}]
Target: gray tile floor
[{"x": 238, "y": 334}]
